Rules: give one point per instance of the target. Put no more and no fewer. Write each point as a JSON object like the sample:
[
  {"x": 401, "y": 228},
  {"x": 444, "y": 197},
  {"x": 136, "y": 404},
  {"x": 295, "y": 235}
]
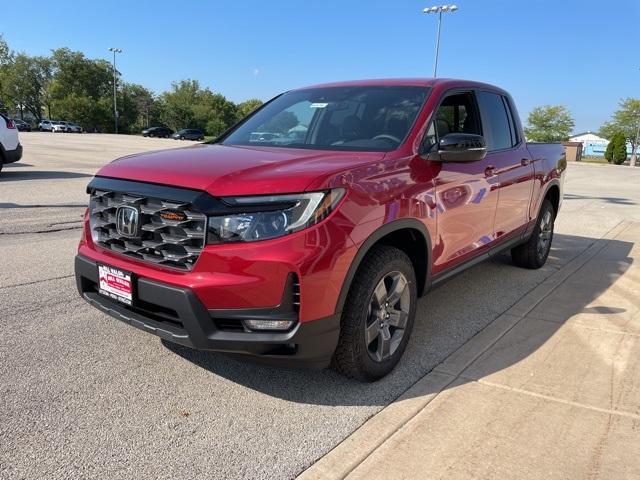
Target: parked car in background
[
  {"x": 45, "y": 126},
  {"x": 74, "y": 127},
  {"x": 161, "y": 132},
  {"x": 21, "y": 125},
  {"x": 314, "y": 249},
  {"x": 10, "y": 148},
  {"x": 58, "y": 126},
  {"x": 188, "y": 134}
]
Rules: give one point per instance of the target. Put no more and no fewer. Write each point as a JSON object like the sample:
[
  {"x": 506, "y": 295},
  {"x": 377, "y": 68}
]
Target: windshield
[{"x": 335, "y": 118}]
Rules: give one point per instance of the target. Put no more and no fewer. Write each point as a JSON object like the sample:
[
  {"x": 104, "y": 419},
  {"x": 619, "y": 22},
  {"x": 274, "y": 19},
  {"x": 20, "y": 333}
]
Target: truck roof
[{"x": 406, "y": 82}]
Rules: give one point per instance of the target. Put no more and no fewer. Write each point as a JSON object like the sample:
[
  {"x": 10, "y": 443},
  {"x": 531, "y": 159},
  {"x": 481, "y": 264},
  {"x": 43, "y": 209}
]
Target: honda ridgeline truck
[{"x": 306, "y": 233}]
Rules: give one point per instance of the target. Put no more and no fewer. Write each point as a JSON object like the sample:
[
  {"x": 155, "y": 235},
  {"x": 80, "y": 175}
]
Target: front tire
[
  {"x": 378, "y": 316},
  {"x": 534, "y": 253}
]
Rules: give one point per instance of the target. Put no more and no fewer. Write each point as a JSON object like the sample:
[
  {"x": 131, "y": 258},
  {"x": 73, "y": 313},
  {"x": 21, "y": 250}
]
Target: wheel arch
[
  {"x": 553, "y": 194},
  {"x": 409, "y": 235}
]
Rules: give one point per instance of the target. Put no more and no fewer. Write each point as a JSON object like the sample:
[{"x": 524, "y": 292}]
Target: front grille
[{"x": 174, "y": 242}]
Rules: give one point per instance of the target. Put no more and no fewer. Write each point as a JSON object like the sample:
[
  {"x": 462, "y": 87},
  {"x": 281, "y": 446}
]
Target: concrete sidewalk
[{"x": 550, "y": 389}]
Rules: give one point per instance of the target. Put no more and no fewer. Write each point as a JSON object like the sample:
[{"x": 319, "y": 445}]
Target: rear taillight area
[{"x": 9, "y": 123}]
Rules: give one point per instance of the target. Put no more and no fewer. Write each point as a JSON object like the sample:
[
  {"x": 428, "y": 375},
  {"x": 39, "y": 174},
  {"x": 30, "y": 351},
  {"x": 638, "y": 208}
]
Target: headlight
[{"x": 270, "y": 216}]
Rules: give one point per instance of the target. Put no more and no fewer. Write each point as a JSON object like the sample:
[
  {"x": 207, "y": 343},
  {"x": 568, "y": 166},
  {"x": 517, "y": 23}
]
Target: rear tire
[
  {"x": 378, "y": 316},
  {"x": 534, "y": 253}
]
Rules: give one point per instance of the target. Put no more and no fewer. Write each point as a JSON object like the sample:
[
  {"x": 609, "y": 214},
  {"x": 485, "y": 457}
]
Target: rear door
[
  {"x": 466, "y": 193},
  {"x": 510, "y": 159}
]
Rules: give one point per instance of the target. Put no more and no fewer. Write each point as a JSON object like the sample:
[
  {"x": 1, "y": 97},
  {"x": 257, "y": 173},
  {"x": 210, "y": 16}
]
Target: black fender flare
[
  {"x": 383, "y": 231},
  {"x": 554, "y": 182}
]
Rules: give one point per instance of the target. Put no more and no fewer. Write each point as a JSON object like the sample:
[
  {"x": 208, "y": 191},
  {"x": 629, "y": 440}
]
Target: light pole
[
  {"x": 115, "y": 102},
  {"x": 439, "y": 9},
  {"x": 634, "y": 151}
]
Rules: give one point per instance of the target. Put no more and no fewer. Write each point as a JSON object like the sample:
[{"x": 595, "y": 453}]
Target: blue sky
[{"x": 576, "y": 53}]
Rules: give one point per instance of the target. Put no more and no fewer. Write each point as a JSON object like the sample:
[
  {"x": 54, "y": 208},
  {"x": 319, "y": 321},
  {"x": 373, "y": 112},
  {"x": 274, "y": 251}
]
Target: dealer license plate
[{"x": 115, "y": 284}]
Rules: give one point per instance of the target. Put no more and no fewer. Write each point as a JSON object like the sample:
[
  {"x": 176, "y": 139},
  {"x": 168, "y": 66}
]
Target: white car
[
  {"x": 45, "y": 126},
  {"x": 10, "y": 148},
  {"x": 59, "y": 127}
]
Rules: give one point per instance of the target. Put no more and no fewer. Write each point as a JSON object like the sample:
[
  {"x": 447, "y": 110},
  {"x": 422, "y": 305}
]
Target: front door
[{"x": 466, "y": 193}]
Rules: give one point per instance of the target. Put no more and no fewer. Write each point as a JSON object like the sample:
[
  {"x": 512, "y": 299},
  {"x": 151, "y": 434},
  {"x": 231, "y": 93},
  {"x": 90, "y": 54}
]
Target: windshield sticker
[{"x": 318, "y": 105}]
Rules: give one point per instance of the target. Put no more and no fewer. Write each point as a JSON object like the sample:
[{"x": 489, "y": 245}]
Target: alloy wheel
[
  {"x": 546, "y": 231},
  {"x": 387, "y": 316}
]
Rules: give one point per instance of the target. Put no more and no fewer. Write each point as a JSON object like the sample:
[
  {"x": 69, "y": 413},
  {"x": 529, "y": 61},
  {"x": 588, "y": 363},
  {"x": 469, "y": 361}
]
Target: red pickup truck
[{"x": 305, "y": 234}]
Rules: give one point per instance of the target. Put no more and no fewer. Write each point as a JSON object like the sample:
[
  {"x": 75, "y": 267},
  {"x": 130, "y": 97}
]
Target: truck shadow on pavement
[
  {"x": 616, "y": 200},
  {"x": 447, "y": 318}
]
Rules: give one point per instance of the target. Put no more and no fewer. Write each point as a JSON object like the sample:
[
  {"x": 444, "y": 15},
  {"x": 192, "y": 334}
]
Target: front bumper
[{"x": 175, "y": 314}]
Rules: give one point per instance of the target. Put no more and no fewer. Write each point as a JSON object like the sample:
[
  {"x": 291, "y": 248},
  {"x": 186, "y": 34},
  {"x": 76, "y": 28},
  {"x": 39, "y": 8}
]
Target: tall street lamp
[
  {"x": 634, "y": 151},
  {"x": 439, "y": 10},
  {"x": 115, "y": 102}
]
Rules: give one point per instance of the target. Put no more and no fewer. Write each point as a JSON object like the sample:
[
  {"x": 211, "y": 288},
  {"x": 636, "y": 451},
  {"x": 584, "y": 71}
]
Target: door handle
[
  {"x": 525, "y": 161},
  {"x": 490, "y": 171}
]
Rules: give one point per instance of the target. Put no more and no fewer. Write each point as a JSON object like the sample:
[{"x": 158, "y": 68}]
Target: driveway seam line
[{"x": 621, "y": 413}]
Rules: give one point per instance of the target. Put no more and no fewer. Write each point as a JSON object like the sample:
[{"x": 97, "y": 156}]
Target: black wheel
[
  {"x": 378, "y": 315},
  {"x": 181, "y": 137},
  {"x": 534, "y": 253}
]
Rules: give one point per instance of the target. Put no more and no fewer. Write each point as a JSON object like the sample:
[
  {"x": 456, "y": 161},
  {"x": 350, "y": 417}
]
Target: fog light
[{"x": 268, "y": 324}]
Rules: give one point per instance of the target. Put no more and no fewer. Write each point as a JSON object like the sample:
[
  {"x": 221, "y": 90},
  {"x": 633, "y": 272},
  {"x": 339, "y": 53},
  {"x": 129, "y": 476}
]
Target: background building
[{"x": 592, "y": 144}]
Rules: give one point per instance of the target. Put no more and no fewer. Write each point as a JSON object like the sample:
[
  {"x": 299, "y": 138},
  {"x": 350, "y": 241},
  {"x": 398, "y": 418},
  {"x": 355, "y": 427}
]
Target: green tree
[
  {"x": 616, "y": 151},
  {"x": 620, "y": 150},
  {"x": 27, "y": 80},
  {"x": 6, "y": 56},
  {"x": 550, "y": 123},
  {"x": 189, "y": 106},
  {"x": 138, "y": 108},
  {"x": 246, "y": 107},
  {"x": 608, "y": 153},
  {"x": 81, "y": 90},
  {"x": 626, "y": 120}
]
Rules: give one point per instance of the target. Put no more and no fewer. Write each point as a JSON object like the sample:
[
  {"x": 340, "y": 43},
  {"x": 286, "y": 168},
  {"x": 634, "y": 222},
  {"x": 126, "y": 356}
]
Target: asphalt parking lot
[{"x": 82, "y": 395}]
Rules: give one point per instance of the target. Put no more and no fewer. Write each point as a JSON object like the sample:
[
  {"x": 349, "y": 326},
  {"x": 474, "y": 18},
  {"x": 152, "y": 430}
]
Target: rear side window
[{"x": 498, "y": 128}]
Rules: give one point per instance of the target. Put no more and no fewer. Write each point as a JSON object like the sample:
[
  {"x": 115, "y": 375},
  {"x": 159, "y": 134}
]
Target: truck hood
[{"x": 223, "y": 170}]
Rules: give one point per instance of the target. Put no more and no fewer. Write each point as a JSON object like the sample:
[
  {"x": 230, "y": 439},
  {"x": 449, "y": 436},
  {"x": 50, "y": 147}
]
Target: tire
[
  {"x": 370, "y": 345},
  {"x": 534, "y": 253}
]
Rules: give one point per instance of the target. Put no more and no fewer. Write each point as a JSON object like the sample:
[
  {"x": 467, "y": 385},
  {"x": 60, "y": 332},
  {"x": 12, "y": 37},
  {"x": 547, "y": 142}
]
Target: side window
[
  {"x": 515, "y": 137},
  {"x": 500, "y": 134},
  {"x": 456, "y": 114}
]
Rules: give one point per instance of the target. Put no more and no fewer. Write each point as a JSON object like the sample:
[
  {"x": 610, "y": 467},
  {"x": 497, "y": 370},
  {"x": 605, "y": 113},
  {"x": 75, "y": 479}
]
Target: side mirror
[{"x": 459, "y": 147}]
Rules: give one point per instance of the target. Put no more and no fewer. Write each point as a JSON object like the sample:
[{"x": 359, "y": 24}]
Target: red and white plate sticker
[{"x": 115, "y": 284}]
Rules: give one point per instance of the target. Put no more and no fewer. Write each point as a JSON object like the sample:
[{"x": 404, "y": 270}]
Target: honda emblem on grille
[{"x": 127, "y": 221}]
